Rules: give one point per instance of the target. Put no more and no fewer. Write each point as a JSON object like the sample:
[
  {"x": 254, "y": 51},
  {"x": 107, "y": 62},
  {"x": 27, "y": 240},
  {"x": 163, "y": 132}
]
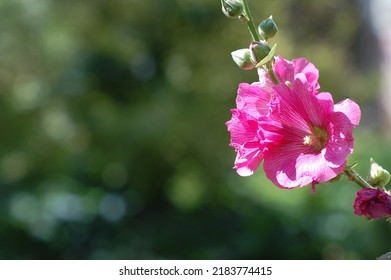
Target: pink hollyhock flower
[
  {"x": 306, "y": 138},
  {"x": 252, "y": 103},
  {"x": 302, "y": 136},
  {"x": 288, "y": 71},
  {"x": 372, "y": 203}
]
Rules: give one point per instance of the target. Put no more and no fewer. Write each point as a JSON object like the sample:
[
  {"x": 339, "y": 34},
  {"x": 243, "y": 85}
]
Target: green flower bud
[
  {"x": 268, "y": 28},
  {"x": 232, "y": 8},
  {"x": 258, "y": 51},
  {"x": 242, "y": 58},
  {"x": 378, "y": 176}
]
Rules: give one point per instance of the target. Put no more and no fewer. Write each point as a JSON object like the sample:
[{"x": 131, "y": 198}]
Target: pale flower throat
[{"x": 317, "y": 139}]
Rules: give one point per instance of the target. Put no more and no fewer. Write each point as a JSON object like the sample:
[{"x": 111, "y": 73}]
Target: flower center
[{"x": 317, "y": 139}]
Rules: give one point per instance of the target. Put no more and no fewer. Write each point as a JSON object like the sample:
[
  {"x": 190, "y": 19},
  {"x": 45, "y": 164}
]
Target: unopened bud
[
  {"x": 232, "y": 8},
  {"x": 378, "y": 176},
  {"x": 258, "y": 51},
  {"x": 268, "y": 28},
  {"x": 242, "y": 58}
]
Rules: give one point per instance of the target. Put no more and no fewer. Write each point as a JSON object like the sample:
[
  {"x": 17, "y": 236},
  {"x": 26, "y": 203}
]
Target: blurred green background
[{"x": 114, "y": 143}]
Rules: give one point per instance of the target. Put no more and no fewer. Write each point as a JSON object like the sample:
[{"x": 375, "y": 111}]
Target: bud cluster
[
  {"x": 374, "y": 202},
  {"x": 258, "y": 51}
]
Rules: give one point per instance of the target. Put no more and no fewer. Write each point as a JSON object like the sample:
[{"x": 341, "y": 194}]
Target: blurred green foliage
[{"x": 114, "y": 144}]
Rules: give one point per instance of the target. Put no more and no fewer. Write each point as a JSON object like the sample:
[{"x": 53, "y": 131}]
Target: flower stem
[
  {"x": 272, "y": 74},
  {"x": 250, "y": 21},
  {"x": 355, "y": 177}
]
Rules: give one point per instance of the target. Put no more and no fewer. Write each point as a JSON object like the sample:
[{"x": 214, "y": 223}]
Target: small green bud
[
  {"x": 242, "y": 58},
  {"x": 258, "y": 51},
  {"x": 268, "y": 58},
  {"x": 268, "y": 28},
  {"x": 378, "y": 176},
  {"x": 232, "y": 8}
]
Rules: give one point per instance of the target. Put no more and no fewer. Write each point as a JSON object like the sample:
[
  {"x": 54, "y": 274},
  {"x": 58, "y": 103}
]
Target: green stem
[
  {"x": 355, "y": 177},
  {"x": 256, "y": 37},
  {"x": 272, "y": 75},
  {"x": 250, "y": 21}
]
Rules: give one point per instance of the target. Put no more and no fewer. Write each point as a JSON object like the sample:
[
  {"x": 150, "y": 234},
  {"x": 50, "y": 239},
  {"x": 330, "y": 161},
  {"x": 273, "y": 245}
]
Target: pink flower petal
[
  {"x": 289, "y": 166},
  {"x": 284, "y": 70},
  {"x": 341, "y": 141},
  {"x": 243, "y": 128},
  {"x": 245, "y": 140},
  {"x": 299, "y": 107},
  {"x": 264, "y": 80},
  {"x": 248, "y": 158},
  {"x": 252, "y": 99},
  {"x": 350, "y": 109},
  {"x": 298, "y": 68},
  {"x": 302, "y": 65}
]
